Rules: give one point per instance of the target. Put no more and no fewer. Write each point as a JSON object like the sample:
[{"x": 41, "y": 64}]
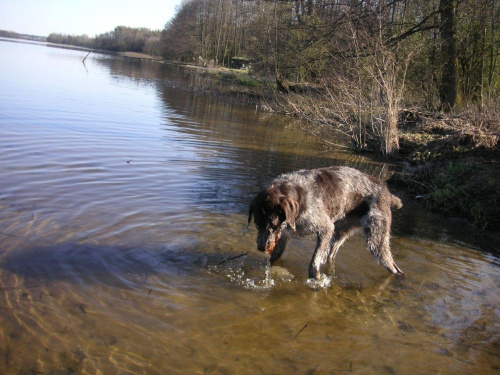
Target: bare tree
[
  {"x": 448, "y": 86},
  {"x": 362, "y": 92}
]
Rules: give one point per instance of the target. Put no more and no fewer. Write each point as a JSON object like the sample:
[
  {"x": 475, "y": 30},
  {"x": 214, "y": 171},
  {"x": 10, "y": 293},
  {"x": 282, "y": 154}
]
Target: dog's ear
[
  {"x": 250, "y": 213},
  {"x": 291, "y": 211},
  {"x": 254, "y": 205}
]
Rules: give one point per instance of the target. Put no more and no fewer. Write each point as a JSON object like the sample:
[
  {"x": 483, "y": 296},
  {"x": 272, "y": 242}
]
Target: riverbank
[
  {"x": 237, "y": 83},
  {"x": 451, "y": 164}
]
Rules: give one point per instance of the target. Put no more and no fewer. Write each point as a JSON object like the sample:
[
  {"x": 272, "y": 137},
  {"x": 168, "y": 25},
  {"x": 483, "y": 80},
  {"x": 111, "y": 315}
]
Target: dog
[{"x": 333, "y": 203}]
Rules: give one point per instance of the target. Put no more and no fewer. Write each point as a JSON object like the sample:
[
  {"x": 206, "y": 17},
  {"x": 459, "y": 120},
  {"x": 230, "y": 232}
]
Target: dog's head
[{"x": 272, "y": 212}]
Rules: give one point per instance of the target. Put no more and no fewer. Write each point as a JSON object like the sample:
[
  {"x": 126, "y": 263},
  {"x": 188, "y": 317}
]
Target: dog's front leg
[{"x": 321, "y": 252}]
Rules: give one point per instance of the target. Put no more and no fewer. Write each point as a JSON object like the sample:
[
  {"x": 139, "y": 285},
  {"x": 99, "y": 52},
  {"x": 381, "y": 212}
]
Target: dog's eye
[{"x": 273, "y": 224}]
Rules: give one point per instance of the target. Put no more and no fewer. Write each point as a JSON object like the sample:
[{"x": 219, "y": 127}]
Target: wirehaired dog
[{"x": 333, "y": 203}]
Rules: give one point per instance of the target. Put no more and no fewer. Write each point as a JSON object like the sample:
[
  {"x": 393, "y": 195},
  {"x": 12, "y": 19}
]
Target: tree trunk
[
  {"x": 392, "y": 136},
  {"x": 448, "y": 87}
]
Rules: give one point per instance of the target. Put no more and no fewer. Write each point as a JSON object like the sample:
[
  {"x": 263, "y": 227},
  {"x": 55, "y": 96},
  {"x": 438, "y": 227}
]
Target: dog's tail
[{"x": 396, "y": 202}]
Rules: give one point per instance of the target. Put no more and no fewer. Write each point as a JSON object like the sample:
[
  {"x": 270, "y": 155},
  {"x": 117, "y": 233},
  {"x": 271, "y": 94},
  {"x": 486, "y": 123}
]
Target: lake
[{"x": 124, "y": 246}]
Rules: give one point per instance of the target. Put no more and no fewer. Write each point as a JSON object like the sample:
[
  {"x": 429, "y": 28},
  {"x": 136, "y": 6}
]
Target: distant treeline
[
  {"x": 121, "y": 39},
  {"x": 14, "y": 35},
  {"x": 452, "y": 41}
]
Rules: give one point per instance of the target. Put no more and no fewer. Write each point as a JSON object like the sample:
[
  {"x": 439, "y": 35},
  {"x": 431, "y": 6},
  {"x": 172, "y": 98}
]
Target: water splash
[
  {"x": 323, "y": 283},
  {"x": 246, "y": 275},
  {"x": 269, "y": 282}
]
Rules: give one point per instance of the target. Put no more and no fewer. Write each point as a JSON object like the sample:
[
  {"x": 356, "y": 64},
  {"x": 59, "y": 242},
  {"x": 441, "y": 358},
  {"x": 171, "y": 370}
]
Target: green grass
[{"x": 468, "y": 189}]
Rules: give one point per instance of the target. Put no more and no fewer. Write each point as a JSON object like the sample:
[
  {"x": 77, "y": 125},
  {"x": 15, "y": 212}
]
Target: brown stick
[
  {"x": 298, "y": 333},
  {"x": 232, "y": 258}
]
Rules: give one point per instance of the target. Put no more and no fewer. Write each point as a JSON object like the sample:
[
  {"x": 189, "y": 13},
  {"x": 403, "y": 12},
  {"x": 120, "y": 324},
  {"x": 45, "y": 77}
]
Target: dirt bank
[{"x": 451, "y": 164}]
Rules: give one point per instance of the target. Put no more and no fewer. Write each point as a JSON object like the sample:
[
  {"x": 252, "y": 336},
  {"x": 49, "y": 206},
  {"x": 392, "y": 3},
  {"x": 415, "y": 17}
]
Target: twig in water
[
  {"x": 298, "y": 333},
  {"x": 83, "y": 61},
  {"x": 232, "y": 258}
]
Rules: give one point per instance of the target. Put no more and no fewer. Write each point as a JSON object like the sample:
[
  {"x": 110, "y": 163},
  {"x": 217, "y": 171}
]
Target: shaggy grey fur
[{"x": 332, "y": 203}]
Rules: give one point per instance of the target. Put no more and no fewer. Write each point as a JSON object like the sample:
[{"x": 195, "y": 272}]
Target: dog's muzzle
[{"x": 266, "y": 241}]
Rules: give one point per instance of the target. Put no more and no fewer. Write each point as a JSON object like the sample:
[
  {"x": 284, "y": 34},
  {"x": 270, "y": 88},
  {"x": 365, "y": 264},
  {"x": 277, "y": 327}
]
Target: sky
[{"x": 76, "y": 17}]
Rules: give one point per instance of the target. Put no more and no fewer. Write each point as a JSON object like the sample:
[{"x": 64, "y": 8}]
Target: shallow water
[{"x": 124, "y": 247}]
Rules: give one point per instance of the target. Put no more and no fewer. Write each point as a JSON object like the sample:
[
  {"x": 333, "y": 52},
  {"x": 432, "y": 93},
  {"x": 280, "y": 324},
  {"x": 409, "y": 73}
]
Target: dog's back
[{"x": 338, "y": 190}]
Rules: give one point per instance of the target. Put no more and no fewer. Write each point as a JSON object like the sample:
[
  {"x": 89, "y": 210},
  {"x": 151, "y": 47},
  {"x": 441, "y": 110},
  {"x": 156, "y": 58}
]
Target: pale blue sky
[{"x": 91, "y": 17}]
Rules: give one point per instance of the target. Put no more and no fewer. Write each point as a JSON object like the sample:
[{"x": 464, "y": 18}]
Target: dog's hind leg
[
  {"x": 377, "y": 227},
  {"x": 344, "y": 229},
  {"x": 337, "y": 244}
]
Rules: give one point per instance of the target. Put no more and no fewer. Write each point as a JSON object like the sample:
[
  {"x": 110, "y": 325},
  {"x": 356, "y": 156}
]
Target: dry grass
[
  {"x": 453, "y": 163},
  {"x": 428, "y": 136},
  {"x": 138, "y": 55},
  {"x": 473, "y": 129}
]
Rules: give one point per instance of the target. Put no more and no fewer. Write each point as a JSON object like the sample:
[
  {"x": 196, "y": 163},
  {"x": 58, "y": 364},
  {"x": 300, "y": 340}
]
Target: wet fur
[{"x": 332, "y": 203}]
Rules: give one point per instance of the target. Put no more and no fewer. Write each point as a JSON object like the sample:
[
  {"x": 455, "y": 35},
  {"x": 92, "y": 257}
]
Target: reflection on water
[{"x": 124, "y": 247}]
